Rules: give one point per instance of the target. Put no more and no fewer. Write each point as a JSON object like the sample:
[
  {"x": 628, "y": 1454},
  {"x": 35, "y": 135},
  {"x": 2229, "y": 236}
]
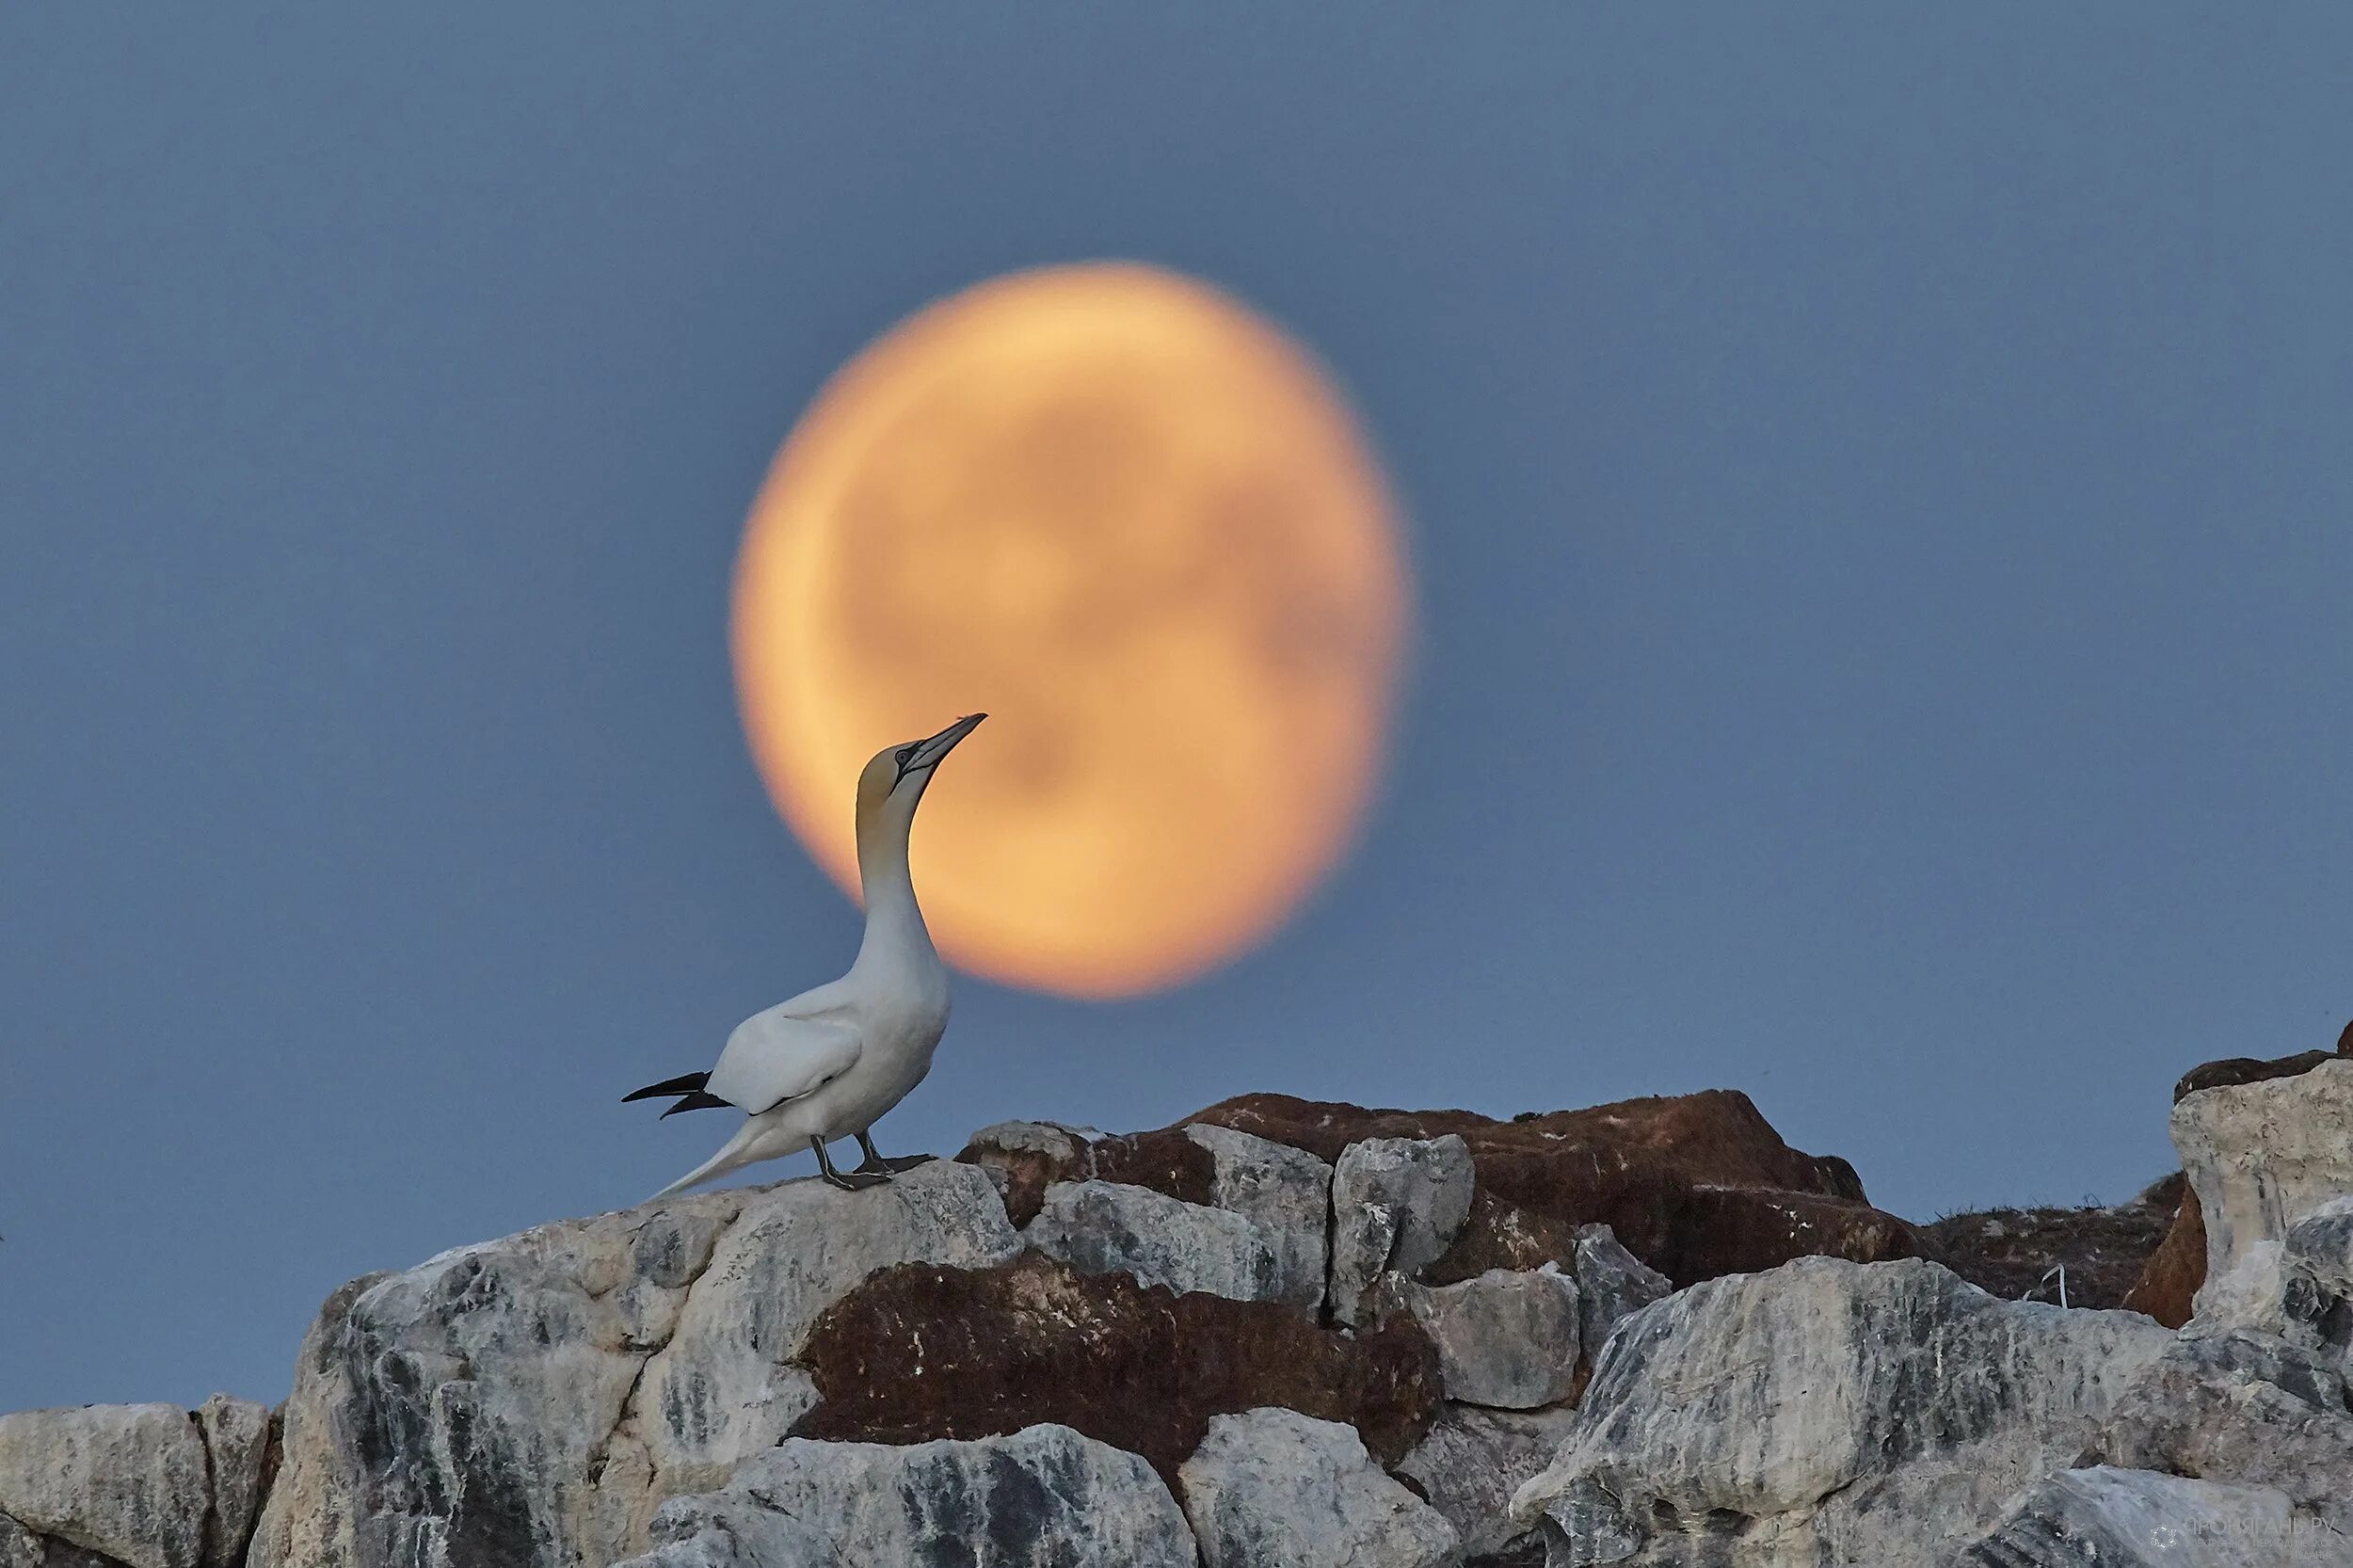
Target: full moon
[{"x": 1136, "y": 524}]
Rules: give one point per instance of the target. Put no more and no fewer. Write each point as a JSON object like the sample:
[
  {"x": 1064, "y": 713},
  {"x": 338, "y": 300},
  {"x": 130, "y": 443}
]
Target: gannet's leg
[
  {"x": 849, "y": 1183},
  {"x": 874, "y": 1162}
]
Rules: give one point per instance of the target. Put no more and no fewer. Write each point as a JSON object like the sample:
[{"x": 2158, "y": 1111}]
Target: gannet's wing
[{"x": 773, "y": 1057}]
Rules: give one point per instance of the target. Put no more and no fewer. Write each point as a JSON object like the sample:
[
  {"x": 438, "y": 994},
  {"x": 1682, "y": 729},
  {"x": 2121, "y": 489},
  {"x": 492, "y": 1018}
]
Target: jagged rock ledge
[{"x": 1285, "y": 1332}]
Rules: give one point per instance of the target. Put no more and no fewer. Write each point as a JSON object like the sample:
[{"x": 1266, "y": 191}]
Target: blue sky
[{"x": 1877, "y": 486}]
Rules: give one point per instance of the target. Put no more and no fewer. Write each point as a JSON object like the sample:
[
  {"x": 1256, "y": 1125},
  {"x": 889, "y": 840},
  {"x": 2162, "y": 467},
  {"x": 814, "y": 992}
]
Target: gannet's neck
[{"x": 894, "y": 925}]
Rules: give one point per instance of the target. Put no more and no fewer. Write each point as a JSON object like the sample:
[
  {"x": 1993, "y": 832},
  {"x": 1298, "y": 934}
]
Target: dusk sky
[{"x": 1877, "y": 484}]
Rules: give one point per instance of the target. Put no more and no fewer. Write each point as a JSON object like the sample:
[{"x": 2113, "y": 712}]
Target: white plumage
[{"x": 827, "y": 1064}]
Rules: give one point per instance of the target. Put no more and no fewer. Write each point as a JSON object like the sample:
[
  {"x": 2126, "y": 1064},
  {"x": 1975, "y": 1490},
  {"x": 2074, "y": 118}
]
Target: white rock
[
  {"x": 2104, "y": 1517},
  {"x": 1101, "y": 1227},
  {"x": 2246, "y": 1408},
  {"x": 1397, "y": 1205},
  {"x": 531, "y": 1401},
  {"x": 2298, "y": 1287},
  {"x": 1275, "y": 1487},
  {"x": 1044, "y": 1495},
  {"x": 2249, "y": 1296},
  {"x": 2262, "y": 1155},
  {"x": 18, "y": 1546},
  {"x": 1474, "y": 1458},
  {"x": 236, "y": 1444},
  {"x": 1055, "y": 1139},
  {"x": 725, "y": 1529},
  {"x": 1612, "y": 1285},
  {"x": 1287, "y": 1193},
  {"x": 128, "y": 1481},
  {"x": 1881, "y": 1413},
  {"x": 1508, "y": 1338}
]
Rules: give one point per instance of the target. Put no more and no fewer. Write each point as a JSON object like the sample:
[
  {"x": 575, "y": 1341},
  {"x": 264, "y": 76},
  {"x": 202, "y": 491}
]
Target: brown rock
[
  {"x": 1500, "y": 1235},
  {"x": 2344, "y": 1041},
  {"x": 1716, "y": 1137},
  {"x": 2234, "y": 1070},
  {"x": 1694, "y": 1185},
  {"x": 918, "y": 1353},
  {"x": 1325, "y": 1128},
  {"x": 1165, "y": 1160},
  {"x": 1742, "y": 1230},
  {"x": 2170, "y": 1280},
  {"x": 2009, "y": 1252}
]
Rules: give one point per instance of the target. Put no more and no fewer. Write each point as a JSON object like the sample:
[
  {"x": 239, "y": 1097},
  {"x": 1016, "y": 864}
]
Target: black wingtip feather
[
  {"x": 696, "y": 1101},
  {"x": 685, "y": 1083}
]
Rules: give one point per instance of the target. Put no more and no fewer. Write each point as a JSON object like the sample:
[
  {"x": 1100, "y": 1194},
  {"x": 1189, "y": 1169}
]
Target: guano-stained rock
[
  {"x": 1287, "y": 1193},
  {"x": 531, "y": 1401},
  {"x": 727, "y": 1529},
  {"x": 1273, "y": 1486},
  {"x": 1471, "y": 1464},
  {"x": 129, "y": 1481},
  {"x": 2262, "y": 1155},
  {"x": 1612, "y": 1285},
  {"x": 1100, "y": 1227},
  {"x": 2300, "y": 1288},
  {"x": 1045, "y": 1495},
  {"x": 1396, "y": 1204},
  {"x": 1505, "y": 1339},
  {"x": 2245, "y": 1408},
  {"x": 236, "y": 1446},
  {"x": 1861, "y": 1413},
  {"x": 2103, "y": 1517}
]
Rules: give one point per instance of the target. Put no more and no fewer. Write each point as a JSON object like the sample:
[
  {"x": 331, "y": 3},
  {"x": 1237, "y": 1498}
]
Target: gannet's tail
[
  {"x": 736, "y": 1154},
  {"x": 687, "y": 1086}
]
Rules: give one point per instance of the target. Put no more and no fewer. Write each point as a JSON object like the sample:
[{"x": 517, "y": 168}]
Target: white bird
[{"x": 829, "y": 1064}]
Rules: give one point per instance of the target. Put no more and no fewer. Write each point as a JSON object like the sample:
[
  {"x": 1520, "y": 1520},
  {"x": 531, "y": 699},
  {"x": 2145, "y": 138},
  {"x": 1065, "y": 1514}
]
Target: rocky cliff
[{"x": 1292, "y": 1333}]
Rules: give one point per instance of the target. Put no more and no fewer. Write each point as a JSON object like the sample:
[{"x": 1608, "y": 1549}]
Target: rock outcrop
[
  {"x": 532, "y": 1401},
  {"x": 728, "y": 1529},
  {"x": 1106, "y": 1227},
  {"x": 1860, "y": 1414},
  {"x": 1611, "y": 1286},
  {"x": 1273, "y": 1486},
  {"x": 2263, "y": 1154},
  {"x": 918, "y": 1352},
  {"x": 2169, "y": 1282},
  {"x": 1471, "y": 1465},
  {"x": 1509, "y": 1339},
  {"x": 2104, "y": 1517},
  {"x": 1288, "y": 1332},
  {"x": 150, "y": 1485},
  {"x": 1694, "y": 1185},
  {"x": 1242, "y": 1194},
  {"x": 1042, "y": 1495},
  {"x": 1397, "y": 1206},
  {"x": 2243, "y": 1408}
]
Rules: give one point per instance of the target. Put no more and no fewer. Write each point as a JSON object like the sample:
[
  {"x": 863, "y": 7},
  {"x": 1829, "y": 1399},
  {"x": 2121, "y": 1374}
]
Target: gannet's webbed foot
[
  {"x": 876, "y": 1161},
  {"x": 853, "y": 1181}
]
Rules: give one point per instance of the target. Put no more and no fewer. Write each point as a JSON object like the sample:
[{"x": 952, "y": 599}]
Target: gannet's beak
[{"x": 928, "y": 752}]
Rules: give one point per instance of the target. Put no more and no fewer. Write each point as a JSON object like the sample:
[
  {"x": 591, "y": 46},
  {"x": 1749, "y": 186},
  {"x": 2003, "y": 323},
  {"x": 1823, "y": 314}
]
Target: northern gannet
[{"x": 829, "y": 1064}]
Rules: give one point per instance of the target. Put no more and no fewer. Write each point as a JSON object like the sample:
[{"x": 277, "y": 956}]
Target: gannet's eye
[{"x": 905, "y": 754}]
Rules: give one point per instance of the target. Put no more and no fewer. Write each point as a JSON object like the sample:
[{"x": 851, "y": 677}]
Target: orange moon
[{"x": 1136, "y": 524}]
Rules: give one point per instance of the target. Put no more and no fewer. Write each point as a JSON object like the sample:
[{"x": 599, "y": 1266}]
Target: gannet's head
[{"x": 895, "y": 779}]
